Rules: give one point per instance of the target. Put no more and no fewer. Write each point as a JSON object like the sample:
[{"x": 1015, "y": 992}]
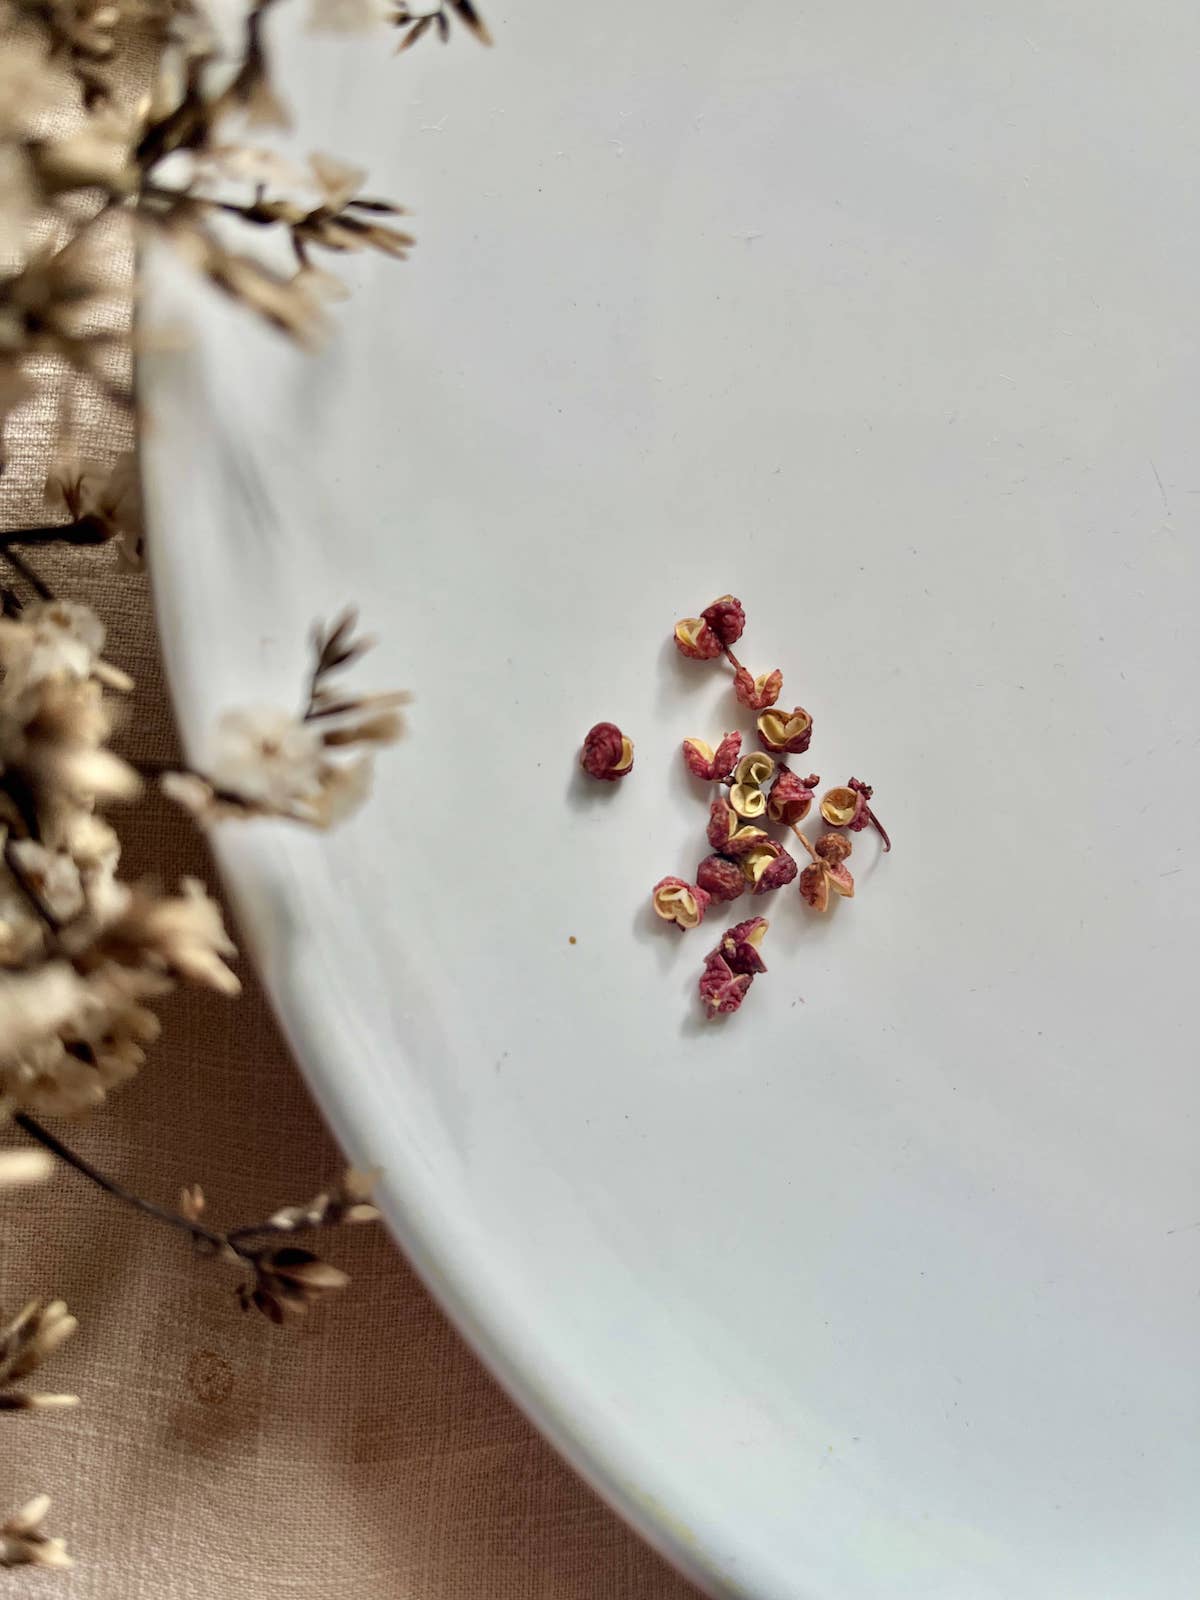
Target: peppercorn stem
[{"x": 882, "y": 831}]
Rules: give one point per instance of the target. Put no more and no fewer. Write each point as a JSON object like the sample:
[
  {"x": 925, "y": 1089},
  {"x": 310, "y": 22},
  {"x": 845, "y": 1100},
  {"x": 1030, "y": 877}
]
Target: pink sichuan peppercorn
[
  {"x": 607, "y": 754},
  {"x": 730, "y": 969},
  {"x": 675, "y": 900},
  {"x": 787, "y": 732},
  {"x": 740, "y": 945},
  {"x": 849, "y": 807},
  {"x": 721, "y": 989},
  {"x": 827, "y": 872},
  {"x": 713, "y": 766},
  {"x": 726, "y": 618},
  {"x": 720, "y": 878},
  {"x": 755, "y": 693},
  {"x": 791, "y": 798}
]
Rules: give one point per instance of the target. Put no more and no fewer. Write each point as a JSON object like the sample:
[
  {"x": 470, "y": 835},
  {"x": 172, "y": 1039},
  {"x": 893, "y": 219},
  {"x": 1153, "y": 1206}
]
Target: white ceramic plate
[{"x": 883, "y": 317}]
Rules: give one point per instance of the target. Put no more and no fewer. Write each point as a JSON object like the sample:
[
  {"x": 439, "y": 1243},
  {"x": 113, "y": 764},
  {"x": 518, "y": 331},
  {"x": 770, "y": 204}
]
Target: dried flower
[
  {"x": 104, "y": 501},
  {"x": 721, "y": 989},
  {"x": 179, "y": 935},
  {"x": 268, "y": 763},
  {"x": 849, "y": 807},
  {"x": 24, "y": 1166},
  {"x": 22, "y": 1542},
  {"x": 97, "y": 154},
  {"x": 282, "y": 300},
  {"x": 726, "y": 618},
  {"x": 54, "y": 640},
  {"x": 720, "y": 878},
  {"x": 607, "y": 754},
  {"x": 740, "y": 945},
  {"x": 349, "y": 1202},
  {"x": 746, "y": 796},
  {"x": 703, "y": 763},
  {"x": 416, "y": 24},
  {"x": 47, "y": 308},
  {"x": 789, "y": 731},
  {"x": 32, "y": 1336},
  {"x": 827, "y": 870},
  {"x": 757, "y": 693},
  {"x": 791, "y": 798},
  {"x": 696, "y": 640},
  {"x": 675, "y": 900},
  {"x": 287, "y": 1281}
]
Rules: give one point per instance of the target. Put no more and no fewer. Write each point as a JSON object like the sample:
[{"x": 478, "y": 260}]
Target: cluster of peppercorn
[{"x": 759, "y": 787}]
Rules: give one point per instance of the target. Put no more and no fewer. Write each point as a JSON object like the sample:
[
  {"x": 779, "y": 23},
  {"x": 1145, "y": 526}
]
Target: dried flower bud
[
  {"x": 696, "y": 640},
  {"x": 607, "y": 754},
  {"x": 721, "y": 990},
  {"x": 722, "y": 823},
  {"x": 726, "y": 619},
  {"x": 682, "y": 903},
  {"x": 34, "y": 1166},
  {"x": 703, "y": 763},
  {"x": 740, "y": 945},
  {"x": 743, "y": 840},
  {"x": 791, "y": 798},
  {"x": 720, "y": 878},
  {"x": 778, "y": 872},
  {"x": 789, "y": 731},
  {"x": 23, "y": 1543},
  {"x": 757, "y": 693}
]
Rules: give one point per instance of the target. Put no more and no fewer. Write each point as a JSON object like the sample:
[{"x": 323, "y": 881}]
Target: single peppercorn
[
  {"x": 607, "y": 754},
  {"x": 726, "y": 618},
  {"x": 786, "y": 731},
  {"x": 713, "y": 766},
  {"x": 675, "y": 900},
  {"x": 791, "y": 798},
  {"x": 720, "y": 878},
  {"x": 848, "y": 806}
]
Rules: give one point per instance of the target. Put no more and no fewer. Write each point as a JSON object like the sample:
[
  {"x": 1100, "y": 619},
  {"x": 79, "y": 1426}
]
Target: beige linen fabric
[{"x": 363, "y": 1452}]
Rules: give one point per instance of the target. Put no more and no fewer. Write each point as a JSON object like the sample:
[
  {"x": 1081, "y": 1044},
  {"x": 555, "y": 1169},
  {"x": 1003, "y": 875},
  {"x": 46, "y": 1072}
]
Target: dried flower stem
[
  {"x": 207, "y": 1240},
  {"x": 24, "y": 570},
  {"x": 87, "y": 530},
  {"x": 880, "y": 829},
  {"x": 204, "y": 1238},
  {"x": 21, "y": 878}
]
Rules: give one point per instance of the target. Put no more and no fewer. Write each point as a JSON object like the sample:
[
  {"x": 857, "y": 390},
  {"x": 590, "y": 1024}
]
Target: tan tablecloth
[{"x": 363, "y": 1452}]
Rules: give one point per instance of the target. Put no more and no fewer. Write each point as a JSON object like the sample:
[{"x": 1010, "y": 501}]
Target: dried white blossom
[
  {"x": 106, "y": 498},
  {"x": 22, "y": 1542},
  {"x": 32, "y": 1336},
  {"x": 268, "y": 763},
  {"x": 54, "y": 639},
  {"x": 25, "y": 1166}
]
